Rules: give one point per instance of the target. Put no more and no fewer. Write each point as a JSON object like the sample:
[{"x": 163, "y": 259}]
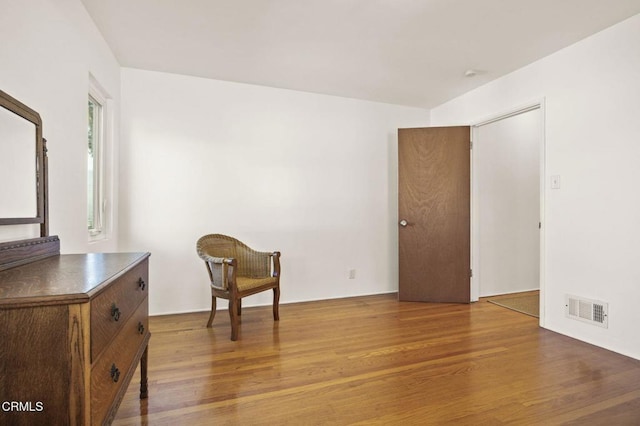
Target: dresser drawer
[
  {"x": 115, "y": 366},
  {"x": 112, "y": 308}
]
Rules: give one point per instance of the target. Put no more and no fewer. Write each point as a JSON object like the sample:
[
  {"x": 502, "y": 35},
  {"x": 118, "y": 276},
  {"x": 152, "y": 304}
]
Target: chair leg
[
  {"x": 233, "y": 316},
  {"x": 276, "y": 302},
  {"x": 213, "y": 311},
  {"x": 239, "y": 307}
]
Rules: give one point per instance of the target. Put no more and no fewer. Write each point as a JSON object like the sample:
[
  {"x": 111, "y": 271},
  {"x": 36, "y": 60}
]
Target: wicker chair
[{"x": 236, "y": 271}]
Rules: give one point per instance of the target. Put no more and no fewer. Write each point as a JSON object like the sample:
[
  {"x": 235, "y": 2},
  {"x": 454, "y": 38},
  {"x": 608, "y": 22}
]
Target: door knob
[{"x": 403, "y": 223}]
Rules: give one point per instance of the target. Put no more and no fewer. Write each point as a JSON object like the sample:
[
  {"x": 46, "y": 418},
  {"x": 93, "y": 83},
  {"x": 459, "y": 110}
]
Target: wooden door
[{"x": 434, "y": 214}]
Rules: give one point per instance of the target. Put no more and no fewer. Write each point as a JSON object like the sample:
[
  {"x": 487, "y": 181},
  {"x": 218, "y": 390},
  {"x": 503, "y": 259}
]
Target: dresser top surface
[{"x": 67, "y": 278}]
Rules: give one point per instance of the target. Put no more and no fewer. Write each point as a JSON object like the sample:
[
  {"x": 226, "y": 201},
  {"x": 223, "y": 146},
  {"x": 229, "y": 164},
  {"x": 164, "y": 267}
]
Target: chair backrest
[{"x": 250, "y": 262}]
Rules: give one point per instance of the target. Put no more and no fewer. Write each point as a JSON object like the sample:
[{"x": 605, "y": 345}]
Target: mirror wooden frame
[{"x": 19, "y": 252}]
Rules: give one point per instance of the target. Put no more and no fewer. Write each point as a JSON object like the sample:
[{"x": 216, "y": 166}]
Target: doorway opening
[{"x": 508, "y": 204}]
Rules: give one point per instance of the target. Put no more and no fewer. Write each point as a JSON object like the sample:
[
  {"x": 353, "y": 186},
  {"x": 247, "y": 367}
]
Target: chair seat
[{"x": 245, "y": 283}]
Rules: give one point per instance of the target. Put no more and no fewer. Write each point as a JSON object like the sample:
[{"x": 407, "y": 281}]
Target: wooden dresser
[{"x": 73, "y": 329}]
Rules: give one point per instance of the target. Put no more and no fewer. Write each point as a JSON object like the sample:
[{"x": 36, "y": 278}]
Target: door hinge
[
  {"x": 471, "y": 273},
  {"x": 539, "y": 225},
  {"x": 470, "y": 144}
]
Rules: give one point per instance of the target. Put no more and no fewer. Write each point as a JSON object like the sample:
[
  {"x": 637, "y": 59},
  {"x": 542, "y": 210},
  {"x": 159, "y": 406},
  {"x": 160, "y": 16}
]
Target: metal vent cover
[{"x": 586, "y": 310}]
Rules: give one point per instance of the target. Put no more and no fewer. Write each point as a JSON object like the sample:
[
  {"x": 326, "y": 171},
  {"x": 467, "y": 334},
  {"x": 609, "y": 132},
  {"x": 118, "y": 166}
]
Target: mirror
[
  {"x": 21, "y": 160},
  {"x": 18, "y": 182}
]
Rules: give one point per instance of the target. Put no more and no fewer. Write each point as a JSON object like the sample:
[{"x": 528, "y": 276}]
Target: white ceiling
[{"x": 408, "y": 52}]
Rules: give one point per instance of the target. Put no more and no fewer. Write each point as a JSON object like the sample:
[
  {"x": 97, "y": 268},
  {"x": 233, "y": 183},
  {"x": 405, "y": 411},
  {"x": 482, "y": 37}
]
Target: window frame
[{"x": 101, "y": 139}]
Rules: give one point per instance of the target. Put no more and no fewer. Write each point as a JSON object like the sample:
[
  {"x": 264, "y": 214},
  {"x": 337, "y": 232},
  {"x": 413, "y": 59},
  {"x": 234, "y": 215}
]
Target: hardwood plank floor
[{"x": 374, "y": 360}]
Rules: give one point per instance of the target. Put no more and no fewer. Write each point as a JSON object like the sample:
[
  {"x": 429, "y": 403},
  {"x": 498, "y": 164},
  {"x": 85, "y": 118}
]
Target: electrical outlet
[{"x": 352, "y": 274}]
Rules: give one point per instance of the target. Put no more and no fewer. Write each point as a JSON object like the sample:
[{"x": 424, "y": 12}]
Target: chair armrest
[
  {"x": 216, "y": 260},
  {"x": 275, "y": 256},
  {"x": 221, "y": 270}
]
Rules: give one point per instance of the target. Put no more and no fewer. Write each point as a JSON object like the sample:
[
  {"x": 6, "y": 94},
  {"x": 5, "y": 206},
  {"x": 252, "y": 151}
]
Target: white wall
[
  {"x": 592, "y": 231},
  {"x": 48, "y": 49},
  {"x": 310, "y": 175}
]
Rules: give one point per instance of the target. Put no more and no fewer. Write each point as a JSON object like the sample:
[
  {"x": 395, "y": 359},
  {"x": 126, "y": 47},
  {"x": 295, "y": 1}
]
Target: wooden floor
[{"x": 374, "y": 360}]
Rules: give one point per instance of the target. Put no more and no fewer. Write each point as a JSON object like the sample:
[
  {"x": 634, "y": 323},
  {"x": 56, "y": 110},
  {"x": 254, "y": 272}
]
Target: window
[{"x": 97, "y": 139}]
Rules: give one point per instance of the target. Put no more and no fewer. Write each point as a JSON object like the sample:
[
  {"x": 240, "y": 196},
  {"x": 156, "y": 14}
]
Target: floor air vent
[{"x": 586, "y": 310}]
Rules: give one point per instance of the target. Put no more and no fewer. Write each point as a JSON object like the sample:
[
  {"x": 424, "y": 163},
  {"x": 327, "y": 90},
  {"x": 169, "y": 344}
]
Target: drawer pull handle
[
  {"x": 140, "y": 328},
  {"x": 115, "y": 373},
  {"x": 115, "y": 312},
  {"x": 141, "y": 284}
]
